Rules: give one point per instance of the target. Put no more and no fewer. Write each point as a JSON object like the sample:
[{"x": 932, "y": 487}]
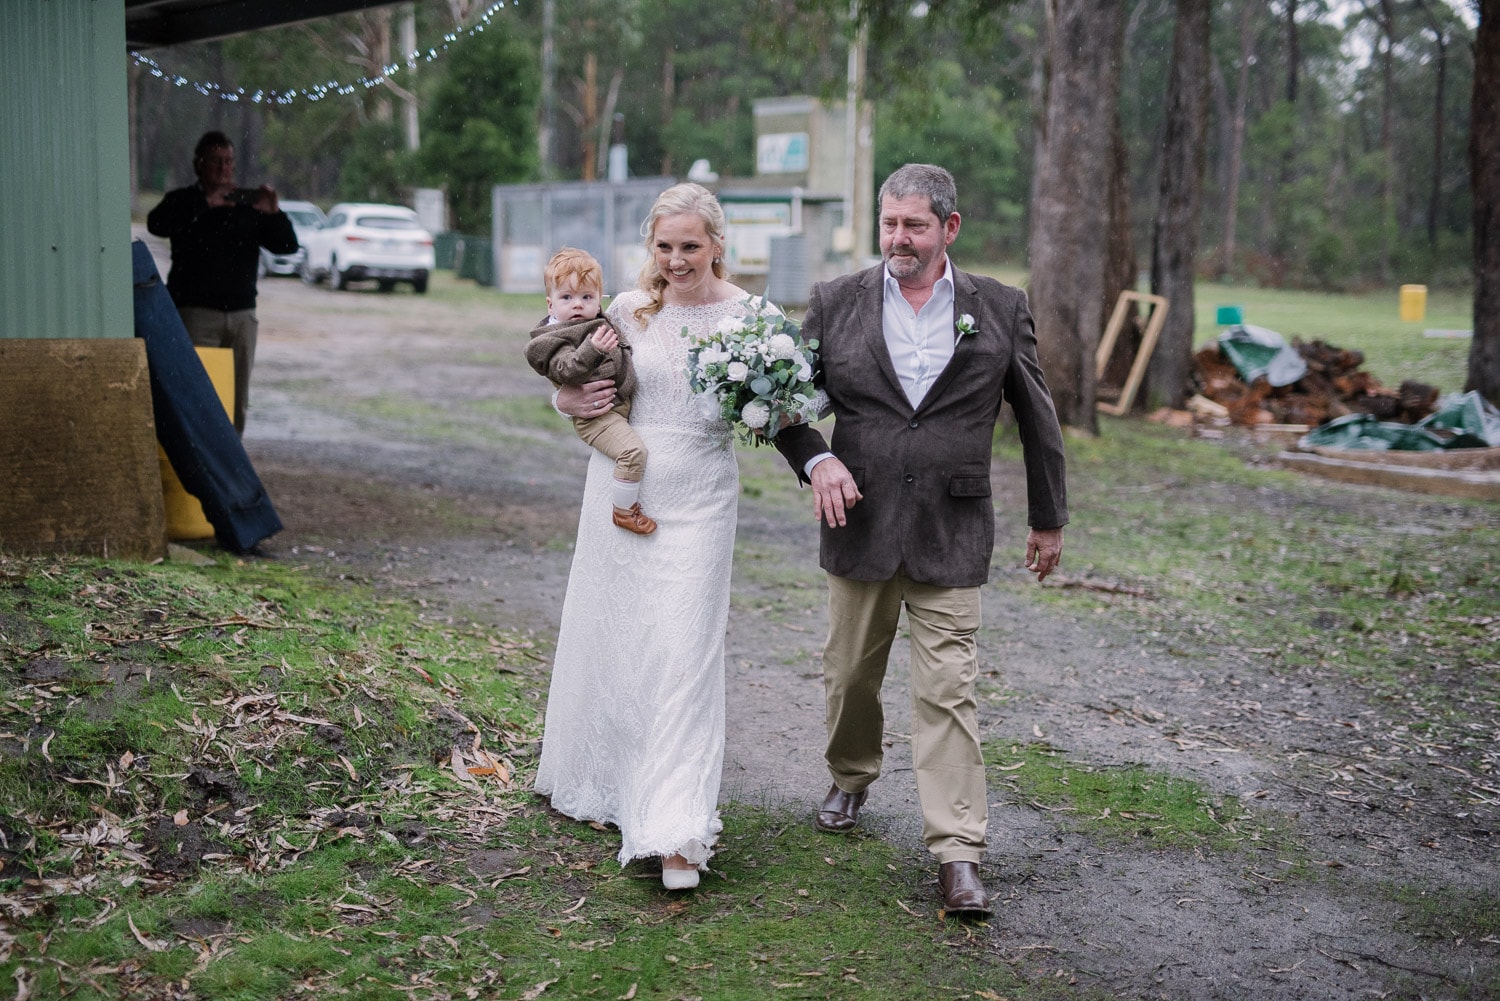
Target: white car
[
  {"x": 305, "y": 217},
  {"x": 365, "y": 242}
]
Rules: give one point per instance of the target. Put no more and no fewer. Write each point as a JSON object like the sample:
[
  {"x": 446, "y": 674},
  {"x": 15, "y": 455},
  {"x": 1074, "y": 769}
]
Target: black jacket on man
[{"x": 216, "y": 251}]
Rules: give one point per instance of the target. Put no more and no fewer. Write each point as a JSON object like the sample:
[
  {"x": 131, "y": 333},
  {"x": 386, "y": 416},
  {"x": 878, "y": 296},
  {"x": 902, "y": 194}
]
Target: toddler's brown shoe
[{"x": 633, "y": 520}]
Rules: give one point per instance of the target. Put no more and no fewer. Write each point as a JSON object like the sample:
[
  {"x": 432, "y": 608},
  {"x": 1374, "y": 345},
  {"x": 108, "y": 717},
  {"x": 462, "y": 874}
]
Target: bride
[{"x": 634, "y": 731}]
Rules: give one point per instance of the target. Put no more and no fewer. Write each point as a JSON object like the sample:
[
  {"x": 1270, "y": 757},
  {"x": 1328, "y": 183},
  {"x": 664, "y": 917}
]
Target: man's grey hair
[{"x": 925, "y": 179}]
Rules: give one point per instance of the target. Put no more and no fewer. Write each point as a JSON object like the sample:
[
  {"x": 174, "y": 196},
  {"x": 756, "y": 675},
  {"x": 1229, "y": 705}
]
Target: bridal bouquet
[{"x": 753, "y": 370}]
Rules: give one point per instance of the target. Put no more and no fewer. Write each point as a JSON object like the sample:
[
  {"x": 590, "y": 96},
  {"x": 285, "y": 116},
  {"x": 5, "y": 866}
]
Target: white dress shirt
[{"x": 920, "y": 343}]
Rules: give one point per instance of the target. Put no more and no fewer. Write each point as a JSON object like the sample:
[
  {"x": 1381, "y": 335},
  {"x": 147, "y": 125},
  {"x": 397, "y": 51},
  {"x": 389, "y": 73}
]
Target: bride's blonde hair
[{"x": 680, "y": 199}]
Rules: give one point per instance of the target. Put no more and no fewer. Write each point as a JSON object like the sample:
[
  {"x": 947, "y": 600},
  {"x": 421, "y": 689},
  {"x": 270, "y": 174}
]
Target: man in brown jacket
[{"x": 917, "y": 358}]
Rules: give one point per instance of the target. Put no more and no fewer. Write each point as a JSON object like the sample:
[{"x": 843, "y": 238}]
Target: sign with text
[
  {"x": 781, "y": 153},
  {"x": 750, "y": 226}
]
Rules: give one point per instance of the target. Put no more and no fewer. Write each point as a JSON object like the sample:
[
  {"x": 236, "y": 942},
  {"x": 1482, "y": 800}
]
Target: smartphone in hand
[{"x": 243, "y": 196}]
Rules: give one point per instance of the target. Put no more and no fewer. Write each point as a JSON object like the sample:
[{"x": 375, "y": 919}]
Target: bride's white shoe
[{"x": 678, "y": 879}]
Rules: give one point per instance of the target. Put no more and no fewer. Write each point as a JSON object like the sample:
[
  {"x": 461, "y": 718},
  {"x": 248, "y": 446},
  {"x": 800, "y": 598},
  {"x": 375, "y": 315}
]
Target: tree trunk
[
  {"x": 1040, "y": 86},
  {"x": 1484, "y": 171},
  {"x": 1293, "y": 51},
  {"x": 546, "y": 132},
  {"x": 1071, "y": 216},
  {"x": 1041, "y": 78},
  {"x": 375, "y": 48},
  {"x": 1388, "y": 140},
  {"x": 1435, "y": 193},
  {"x": 1385, "y": 20},
  {"x": 1237, "y": 142},
  {"x": 1121, "y": 269},
  {"x": 607, "y": 123},
  {"x": 409, "y": 117},
  {"x": 1174, "y": 244},
  {"x": 668, "y": 104},
  {"x": 589, "y": 126},
  {"x": 1274, "y": 221}
]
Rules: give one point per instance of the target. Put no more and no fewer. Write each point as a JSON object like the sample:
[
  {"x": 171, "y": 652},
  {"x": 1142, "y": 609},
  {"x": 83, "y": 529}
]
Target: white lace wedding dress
[{"x": 635, "y": 716}]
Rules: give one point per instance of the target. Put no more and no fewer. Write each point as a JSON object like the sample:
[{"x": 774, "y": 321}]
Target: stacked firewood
[{"x": 1333, "y": 386}]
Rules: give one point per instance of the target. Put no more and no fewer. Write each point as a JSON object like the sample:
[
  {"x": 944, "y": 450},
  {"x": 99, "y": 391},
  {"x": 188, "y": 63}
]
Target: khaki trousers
[
  {"x": 612, "y": 434},
  {"x": 233, "y": 329},
  {"x": 862, "y": 620}
]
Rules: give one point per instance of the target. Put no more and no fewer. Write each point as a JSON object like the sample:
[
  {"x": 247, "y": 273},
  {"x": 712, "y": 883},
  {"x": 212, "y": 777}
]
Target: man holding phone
[{"x": 216, "y": 231}]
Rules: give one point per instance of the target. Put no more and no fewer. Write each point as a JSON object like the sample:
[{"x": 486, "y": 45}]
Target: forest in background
[{"x": 1335, "y": 152}]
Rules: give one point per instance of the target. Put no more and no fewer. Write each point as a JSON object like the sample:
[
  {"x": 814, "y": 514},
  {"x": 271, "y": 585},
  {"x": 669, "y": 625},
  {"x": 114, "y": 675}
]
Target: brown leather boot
[
  {"x": 840, "y": 810},
  {"x": 963, "y": 892},
  {"x": 633, "y": 520}
]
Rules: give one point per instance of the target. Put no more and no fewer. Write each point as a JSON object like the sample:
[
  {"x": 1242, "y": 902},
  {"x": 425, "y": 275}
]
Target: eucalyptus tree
[
  {"x": 479, "y": 124},
  {"x": 950, "y": 84},
  {"x": 696, "y": 69},
  {"x": 1484, "y": 159},
  {"x": 1230, "y": 109},
  {"x": 1071, "y": 209},
  {"x": 584, "y": 47},
  {"x": 1405, "y": 119},
  {"x": 1174, "y": 242}
]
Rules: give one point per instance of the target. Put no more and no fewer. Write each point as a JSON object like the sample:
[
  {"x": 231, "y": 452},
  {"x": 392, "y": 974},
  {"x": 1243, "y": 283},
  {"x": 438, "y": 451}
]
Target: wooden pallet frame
[{"x": 1154, "y": 323}]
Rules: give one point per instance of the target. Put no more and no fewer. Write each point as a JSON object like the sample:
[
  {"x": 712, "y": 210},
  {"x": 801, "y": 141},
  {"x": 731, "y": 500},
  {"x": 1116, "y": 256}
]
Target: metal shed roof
[{"x": 151, "y": 23}]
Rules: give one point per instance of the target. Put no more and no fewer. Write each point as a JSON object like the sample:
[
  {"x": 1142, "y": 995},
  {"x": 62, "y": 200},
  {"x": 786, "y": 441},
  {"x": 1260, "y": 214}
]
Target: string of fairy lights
[{"x": 317, "y": 91}]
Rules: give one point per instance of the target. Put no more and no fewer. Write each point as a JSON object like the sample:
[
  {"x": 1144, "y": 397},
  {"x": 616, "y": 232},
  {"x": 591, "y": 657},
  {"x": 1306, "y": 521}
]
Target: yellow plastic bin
[
  {"x": 1413, "y": 303},
  {"x": 185, "y": 519}
]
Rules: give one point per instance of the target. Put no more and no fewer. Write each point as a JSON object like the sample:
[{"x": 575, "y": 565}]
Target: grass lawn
[{"x": 1394, "y": 349}]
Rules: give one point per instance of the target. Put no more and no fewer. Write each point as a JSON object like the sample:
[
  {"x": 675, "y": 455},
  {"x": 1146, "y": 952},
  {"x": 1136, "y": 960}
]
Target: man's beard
[{"x": 903, "y": 265}]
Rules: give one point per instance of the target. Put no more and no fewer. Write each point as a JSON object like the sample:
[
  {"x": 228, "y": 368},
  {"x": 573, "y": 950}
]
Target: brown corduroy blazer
[{"x": 925, "y": 472}]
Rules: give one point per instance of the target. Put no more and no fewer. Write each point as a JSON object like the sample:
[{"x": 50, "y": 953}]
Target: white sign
[
  {"x": 781, "y": 153},
  {"x": 750, "y": 226}
]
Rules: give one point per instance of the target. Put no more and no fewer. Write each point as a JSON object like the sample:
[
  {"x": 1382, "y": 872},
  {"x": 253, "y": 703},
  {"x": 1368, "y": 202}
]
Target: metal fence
[{"x": 534, "y": 221}]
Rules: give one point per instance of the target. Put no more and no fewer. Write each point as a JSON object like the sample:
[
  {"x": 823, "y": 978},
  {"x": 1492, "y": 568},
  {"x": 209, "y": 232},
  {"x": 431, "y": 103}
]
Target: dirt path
[{"x": 404, "y": 443}]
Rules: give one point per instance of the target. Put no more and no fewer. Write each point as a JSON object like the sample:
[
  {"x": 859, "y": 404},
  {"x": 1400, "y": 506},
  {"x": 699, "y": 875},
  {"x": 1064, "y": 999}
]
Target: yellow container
[
  {"x": 185, "y": 519},
  {"x": 1413, "y": 303}
]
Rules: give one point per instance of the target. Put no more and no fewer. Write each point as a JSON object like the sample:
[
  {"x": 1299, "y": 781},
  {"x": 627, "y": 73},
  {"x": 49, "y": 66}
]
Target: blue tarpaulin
[{"x": 191, "y": 424}]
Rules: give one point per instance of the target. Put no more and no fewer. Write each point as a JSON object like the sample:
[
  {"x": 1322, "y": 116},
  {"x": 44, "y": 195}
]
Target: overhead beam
[{"x": 152, "y": 23}]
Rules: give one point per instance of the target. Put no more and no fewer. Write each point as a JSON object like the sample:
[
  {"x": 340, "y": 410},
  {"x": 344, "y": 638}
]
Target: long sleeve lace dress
[{"x": 635, "y": 717}]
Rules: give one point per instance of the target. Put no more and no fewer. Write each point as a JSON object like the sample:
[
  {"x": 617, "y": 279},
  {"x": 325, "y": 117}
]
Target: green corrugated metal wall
[{"x": 64, "y": 161}]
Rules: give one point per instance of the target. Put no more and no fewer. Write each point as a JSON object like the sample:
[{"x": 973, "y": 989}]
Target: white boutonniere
[{"x": 965, "y": 326}]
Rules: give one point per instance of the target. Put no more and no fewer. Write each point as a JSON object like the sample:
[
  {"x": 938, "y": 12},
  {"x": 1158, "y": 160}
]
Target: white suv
[{"x": 360, "y": 241}]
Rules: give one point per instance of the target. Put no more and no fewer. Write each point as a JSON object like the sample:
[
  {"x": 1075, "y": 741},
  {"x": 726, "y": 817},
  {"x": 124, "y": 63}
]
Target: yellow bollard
[
  {"x": 1413, "y": 303},
  {"x": 185, "y": 519}
]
